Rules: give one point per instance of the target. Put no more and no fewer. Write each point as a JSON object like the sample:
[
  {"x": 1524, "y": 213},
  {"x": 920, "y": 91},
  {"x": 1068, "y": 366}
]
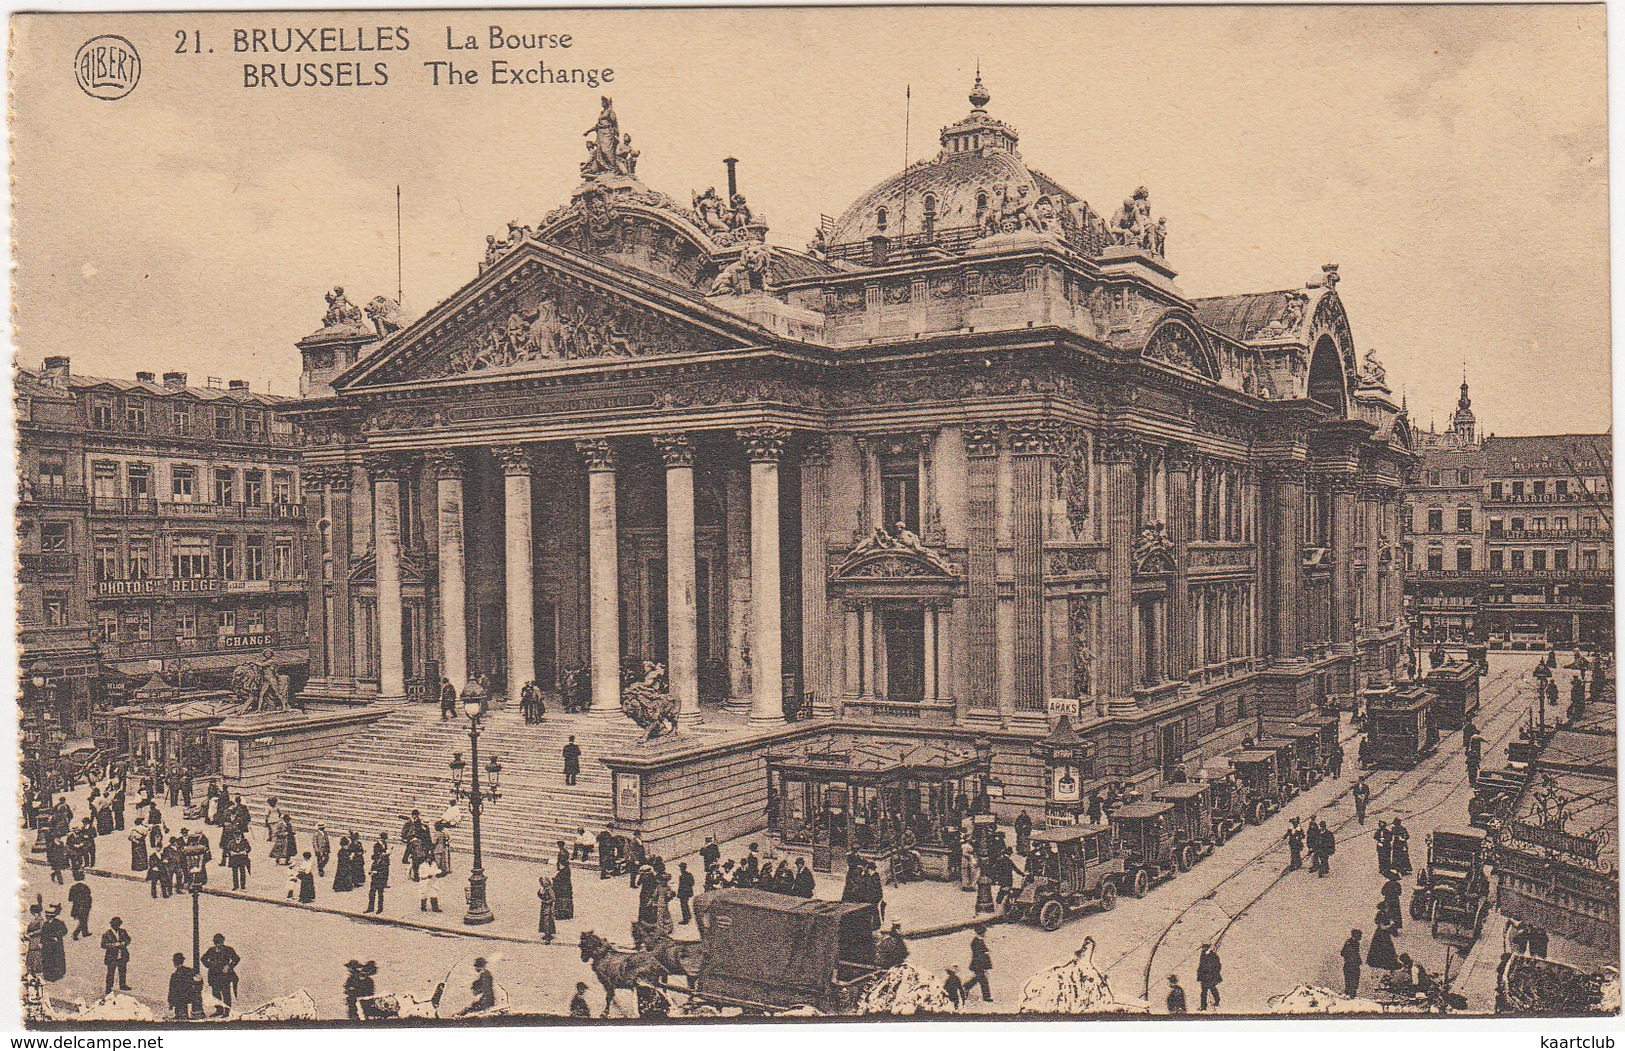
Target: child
[{"x": 429, "y": 888}]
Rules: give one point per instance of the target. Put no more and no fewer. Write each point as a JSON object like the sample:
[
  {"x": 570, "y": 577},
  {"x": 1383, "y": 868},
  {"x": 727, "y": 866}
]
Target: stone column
[
  {"x": 318, "y": 615},
  {"x": 1341, "y": 486},
  {"x": 340, "y": 513},
  {"x": 1286, "y": 481},
  {"x": 765, "y": 445},
  {"x": 603, "y": 575},
  {"x": 453, "y": 568},
  {"x": 817, "y": 644},
  {"x": 1119, "y": 452},
  {"x": 682, "y": 618},
  {"x": 930, "y": 693},
  {"x": 1183, "y": 655},
  {"x": 521, "y": 573},
  {"x": 1032, "y": 447},
  {"x": 981, "y": 567},
  {"x": 386, "y": 507},
  {"x": 853, "y": 614},
  {"x": 867, "y": 631}
]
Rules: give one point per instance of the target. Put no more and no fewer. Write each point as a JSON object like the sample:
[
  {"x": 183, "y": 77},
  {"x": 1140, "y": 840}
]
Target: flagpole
[
  {"x": 908, "y": 105},
  {"x": 398, "y": 293}
]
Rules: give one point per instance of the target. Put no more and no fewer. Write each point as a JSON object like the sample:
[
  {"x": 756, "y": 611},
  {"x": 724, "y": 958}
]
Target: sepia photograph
[{"x": 824, "y": 514}]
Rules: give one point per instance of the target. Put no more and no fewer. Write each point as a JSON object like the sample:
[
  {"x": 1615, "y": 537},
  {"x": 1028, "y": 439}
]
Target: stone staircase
[{"x": 373, "y": 781}]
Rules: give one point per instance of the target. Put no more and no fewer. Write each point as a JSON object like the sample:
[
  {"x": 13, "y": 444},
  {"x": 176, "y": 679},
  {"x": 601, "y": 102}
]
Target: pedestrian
[
  {"x": 429, "y": 887},
  {"x": 1392, "y": 890},
  {"x": 803, "y": 884},
  {"x": 954, "y": 988},
  {"x": 572, "y": 761},
  {"x": 1328, "y": 847},
  {"x": 583, "y": 843},
  {"x": 1362, "y": 799},
  {"x": 237, "y": 860},
  {"x": 578, "y": 1002},
  {"x": 685, "y": 890},
  {"x": 1294, "y": 845},
  {"x": 378, "y": 879},
  {"x": 116, "y": 954},
  {"x": 981, "y": 963},
  {"x": 1381, "y": 954},
  {"x": 1176, "y": 996},
  {"x": 79, "y": 899},
  {"x": 220, "y": 962},
  {"x": 1385, "y": 847},
  {"x": 1400, "y": 840},
  {"x": 185, "y": 989},
  {"x": 321, "y": 848},
  {"x": 1024, "y": 833},
  {"x": 283, "y": 842},
  {"x": 448, "y": 701},
  {"x": 273, "y": 819},
  {"x": 1209, "y": 973},
  {"x": 710, "y": 853},
  {"x": 138, "y": 848},
  {"x": 564, "y": 894},
  {"x": 483, "y": 988},
  {"x": 440, "y": 848},
  {"x": 1334, "y": 761},
  {"x": 305, "y": 873},
  {"x": 1475, "y": 757},
  {"x": 53, "y": 946},
  {"x": 358, "y": 986},
  {"x": 892, "y": 950},
  {"x": 547, "y": 919},
  {"x": 1351, "y": 964}
]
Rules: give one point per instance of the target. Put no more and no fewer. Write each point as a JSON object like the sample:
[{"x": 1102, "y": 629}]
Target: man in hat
[
  {"x": 53, "y": 951},
  {"x": 378, "y": 879},
  {"x": 892, "y": 951},
  {"x": 1351, "y": 964},
  {"x": 1209, "y": 974},
  {"x": 185, "y": 989},
  {"x": 79, "y": 908},
  {"x": 220, "y": 961},
  {"x": 1294, "y": 845},
  {"x": 953, "y": 987},
  {"x": 1362, "y": 799},
  {"x": 483, "y": 987},
  {"x": 1176, "y": 996},
  {"x": 572, "y": 761},
  {"x": 448, "y": 703},
  {"x": 321, "y": 847},
  {"x": 579, "y": 1008},
  {"x": 116, "y": 954},
  {"x": 358, "y": 985},
  {"x": 981, "y": 962}
]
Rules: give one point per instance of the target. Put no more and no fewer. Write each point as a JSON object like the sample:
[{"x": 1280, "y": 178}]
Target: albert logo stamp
[{"x": 107, "y": 67}]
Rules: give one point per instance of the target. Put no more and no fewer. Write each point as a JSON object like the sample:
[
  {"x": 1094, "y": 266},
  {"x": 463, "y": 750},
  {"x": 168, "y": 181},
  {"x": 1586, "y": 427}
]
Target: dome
[{"x": 953, "y": 192}]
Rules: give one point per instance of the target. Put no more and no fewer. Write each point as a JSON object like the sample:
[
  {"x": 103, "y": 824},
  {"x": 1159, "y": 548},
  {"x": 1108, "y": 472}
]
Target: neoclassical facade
[{"x": 968, "y": 461}]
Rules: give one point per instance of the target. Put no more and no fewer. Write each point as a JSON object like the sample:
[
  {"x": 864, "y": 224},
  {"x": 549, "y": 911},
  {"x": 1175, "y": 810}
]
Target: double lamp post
[{"x": 479, "y": 910}]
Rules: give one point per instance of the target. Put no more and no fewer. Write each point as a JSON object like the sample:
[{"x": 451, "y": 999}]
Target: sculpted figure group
[{"x": 1135, "y": 227}]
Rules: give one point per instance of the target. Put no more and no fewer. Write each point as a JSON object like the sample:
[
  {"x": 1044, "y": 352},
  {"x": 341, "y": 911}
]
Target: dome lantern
[{"x": 978, "y": 131}]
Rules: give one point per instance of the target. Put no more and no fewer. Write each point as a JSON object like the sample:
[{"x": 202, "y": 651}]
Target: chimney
[
  {"x": 58, "y": 363},
  {"x": 175, "y": 380},
  {"x": 878, "y": 250},
  {"x": 146, "y": 377},
  {"x": 213, "y": 382},
  {"x": 733, "y": 177},
  {"x": 241, "y": 385}
]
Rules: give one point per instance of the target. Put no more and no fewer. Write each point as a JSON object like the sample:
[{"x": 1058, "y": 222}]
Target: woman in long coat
[
  {"x": 342, "y": 873},
  {"x": 138, "y": 849},
  {"x": 282, "y": 844},
  {"x": 564, "y": 892},
  {"x": 53, "y": 953},
  {"x": 546, "y": 924},
  {"x": 1381, "y": 954},
  {"x": 358, "y": 861}
]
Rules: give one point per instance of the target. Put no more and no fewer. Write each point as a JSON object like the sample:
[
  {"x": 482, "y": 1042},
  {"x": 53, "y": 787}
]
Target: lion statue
[
  {"x": 748, "y": 273},
  {"x": 254, "y": 683}
]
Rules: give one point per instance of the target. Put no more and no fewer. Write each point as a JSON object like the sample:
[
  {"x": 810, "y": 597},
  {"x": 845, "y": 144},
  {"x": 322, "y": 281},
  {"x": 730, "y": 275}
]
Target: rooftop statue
[
  {"x": 748, "y": 273},
  {"x": 1134, "y": 226},
  {"x": 607, "y": 152},
  {"x": 1371, "y": 369},
  {"x": 341, "y": 313}
]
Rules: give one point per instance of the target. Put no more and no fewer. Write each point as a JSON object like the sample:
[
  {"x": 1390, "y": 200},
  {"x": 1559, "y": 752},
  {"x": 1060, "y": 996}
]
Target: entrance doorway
[{"x": 905, "y": 654}]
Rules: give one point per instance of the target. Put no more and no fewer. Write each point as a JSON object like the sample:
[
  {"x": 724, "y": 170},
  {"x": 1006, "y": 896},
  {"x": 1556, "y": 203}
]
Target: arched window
[
  {"x": 981, "y": 206},
  {"x": 929, "y": 225},
  {"x": 880, "y": 219}
]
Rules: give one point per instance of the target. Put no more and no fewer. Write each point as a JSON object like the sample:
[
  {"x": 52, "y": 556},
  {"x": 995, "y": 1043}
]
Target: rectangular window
[
  {"x": 106, "y": 626},
  {"x": 183, "y": 483},
  {"x": 186, "y": 623},
  {"x": 1434, "y": 478},
  {"x": 1464, "y": 476},
  {"x": 282, "y": 487},
  {"x": 102, "y": 416},
  {"x": 104, "y": 481},
  {"x": 1562, "y": 487},
  {"x": 1517, "y": 525},
  {"x": 140, "y": 559},
  {"x": 135, "y": 414},
  {"x": 1495, "y": 527},
  {"x": 1560, "y": 524},
  {"x": 1435, "y": 520},
  {"x": 253, "y": 621},
  {"x": 1540, "y": 487},
  {"x": 189, "y": 558},
  {"x": 254, "y": 558},
  {"x": 251, "y": 425},
  {"x": 227, "y": 622},
  {"x": 138, "y": 624},
  {"x": 1464, "y": 520},
  {"x": 183, "y": 419},
  {"x": 225, "y": 557},
  {"x": 1497, "y": 558},
  {"x": 900, "y": 492},
  {"x": 225, "y": 486},
  {"x": 1560, "y": 559},
  {"x": 56, "y": 609},
  {"x": 1517, "y": 490},
  {"x": 55, "y": 536},
  {"x": 1539, "y": 557},
  {"x": 1539, "y": 525},
  {"x": 1464, "y": 559},
  {"x": 1435, "y": 561},
  {"x": 222, "y": 422},
  {"x": 282, "y": 560},
  {"x": 138, "y": 477},
  {"x": 1589, "y": 524},
  {"x": 107, "y": 560},
  {"x": 1588, "y": 559},
  {"x": 1517, "y": 559},
  {"x": 254, "y": 488},
  {"x": 53, "y": 475},
  {"x": 1496, "y": 490}
]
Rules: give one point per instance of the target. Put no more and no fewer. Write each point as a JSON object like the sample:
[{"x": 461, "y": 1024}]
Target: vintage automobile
[
  {"x": 1145, "y": 835},
  {"x": 1256, "y": 771},
  {"x": 1493, "y": 797},
  {"x": 1452, "y": 891},
  {"x": 1399, "y": 727},
  {"x": 1229, "y": 796},
  {"x": 1455, "y": 693},
  {"x": 1308, "y": 765},
  {"x": 1192, "y": 820},
  {"x": 1327, "y": 726},
  {"x": 1082, "y": 870},
  {"x": 764, "y": 952},
  {"x": 1288, "y": 780}
]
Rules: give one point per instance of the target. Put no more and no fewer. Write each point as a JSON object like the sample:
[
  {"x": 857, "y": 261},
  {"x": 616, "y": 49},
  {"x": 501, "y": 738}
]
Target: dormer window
[
  {"x": 981, "y": 206},
  {"x": 880, "y": 219},
  {"x": 929, "y": 224}
]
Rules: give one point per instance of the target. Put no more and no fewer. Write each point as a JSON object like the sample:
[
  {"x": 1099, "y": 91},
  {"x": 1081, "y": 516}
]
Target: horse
[
  {"x": 677, "y": 957},
  {"x": 619, "y": 969}
]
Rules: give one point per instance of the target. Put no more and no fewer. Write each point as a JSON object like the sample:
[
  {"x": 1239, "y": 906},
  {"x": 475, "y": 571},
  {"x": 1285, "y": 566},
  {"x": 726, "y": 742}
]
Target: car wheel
[
  {"x": 1142, "y": 884},
  {"x": 1108, "y": 896},
  {"x": 1184, "y": 860},
  {"x": 1050, "y": 915}
]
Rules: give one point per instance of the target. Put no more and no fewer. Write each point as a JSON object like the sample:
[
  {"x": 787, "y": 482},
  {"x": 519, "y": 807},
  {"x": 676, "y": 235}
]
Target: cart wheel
[
  {"x": 1141, "y": 885},
  {"x": 1419, "y": 905},
  {"x": 1185, "y": 859},
  {"x": 1050, "y": 915},
  {"x": 1108, "y": 896},
  {"x": 1258, "y": 812}
]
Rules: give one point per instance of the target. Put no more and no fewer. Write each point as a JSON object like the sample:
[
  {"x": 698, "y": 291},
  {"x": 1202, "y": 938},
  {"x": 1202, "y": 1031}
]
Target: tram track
[{"x": 1505, "y": 721}]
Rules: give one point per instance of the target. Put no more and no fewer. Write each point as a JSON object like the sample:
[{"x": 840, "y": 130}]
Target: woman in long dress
[
  {"x": 341, "y": 867},
  {"x": 282, "y": 843},
  {"x": 307, "y": 879},
  {"x": 138, "y": 849},
  {"x": 53, "y": 951},
  {"x": 564, "y": 892},
  {"x": 358, "y": 861},
  {"x": 1381, "y": 954},
  {"x": 546, "y": 925}
]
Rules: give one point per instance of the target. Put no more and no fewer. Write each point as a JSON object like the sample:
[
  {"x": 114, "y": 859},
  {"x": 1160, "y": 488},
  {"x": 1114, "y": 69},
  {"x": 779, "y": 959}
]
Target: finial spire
[{"x": 979, "y": 98}]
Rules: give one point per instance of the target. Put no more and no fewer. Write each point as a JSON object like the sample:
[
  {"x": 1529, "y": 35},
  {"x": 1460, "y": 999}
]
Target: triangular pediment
[{"x": 545, "y": 307}]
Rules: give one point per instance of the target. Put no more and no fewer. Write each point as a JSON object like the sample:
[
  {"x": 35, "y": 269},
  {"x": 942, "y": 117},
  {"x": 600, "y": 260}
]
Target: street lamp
[
  {"x": 193, "y": 857},
  {"x": 479, "y": 911},
  {"x": 178, "y": 675}
]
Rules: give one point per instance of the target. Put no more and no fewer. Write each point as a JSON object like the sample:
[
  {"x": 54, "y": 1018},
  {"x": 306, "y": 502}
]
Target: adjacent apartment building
[
  {"x": 160, "y": 531},
  {"x": 1511, "y": 538}
]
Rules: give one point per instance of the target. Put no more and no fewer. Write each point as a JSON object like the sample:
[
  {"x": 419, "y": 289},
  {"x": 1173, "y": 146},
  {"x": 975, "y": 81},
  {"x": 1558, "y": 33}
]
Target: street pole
[
  {"x": 197, "y": 894},
  {"x": 479, "y": 912}
]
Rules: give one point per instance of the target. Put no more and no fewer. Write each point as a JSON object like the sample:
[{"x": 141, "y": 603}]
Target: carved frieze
[
  {"x": 1072, "y": 561},
  {"x": 1153, "y": 552},
  {"x": 891, "y": 556},
  {"x": 1220, "y": 558}
]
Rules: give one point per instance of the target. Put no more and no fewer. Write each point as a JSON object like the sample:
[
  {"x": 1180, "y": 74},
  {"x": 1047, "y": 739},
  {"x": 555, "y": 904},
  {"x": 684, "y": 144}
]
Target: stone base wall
[{"x": 256, "y": 750}]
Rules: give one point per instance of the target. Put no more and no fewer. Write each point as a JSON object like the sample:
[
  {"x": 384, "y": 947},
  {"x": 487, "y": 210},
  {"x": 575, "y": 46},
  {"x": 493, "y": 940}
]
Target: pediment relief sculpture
[{"x": 892, "y": 555}]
